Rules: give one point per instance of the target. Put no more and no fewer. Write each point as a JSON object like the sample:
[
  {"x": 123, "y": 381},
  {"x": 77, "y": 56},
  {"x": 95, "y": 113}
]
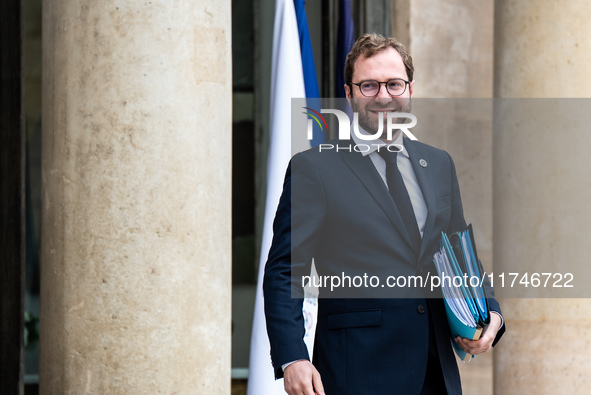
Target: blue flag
[
  {"x": 310, "y": 80},
  {"x": 345, "y": 40}
]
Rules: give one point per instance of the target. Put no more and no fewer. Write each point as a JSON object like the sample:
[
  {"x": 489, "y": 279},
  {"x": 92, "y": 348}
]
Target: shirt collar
[{"x": 370, "y": 146}]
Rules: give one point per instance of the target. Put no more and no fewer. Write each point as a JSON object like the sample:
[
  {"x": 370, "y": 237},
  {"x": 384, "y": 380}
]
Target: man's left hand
[{"x": 485, "y": 342}]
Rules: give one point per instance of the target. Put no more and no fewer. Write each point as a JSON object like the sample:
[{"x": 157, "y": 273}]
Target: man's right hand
[{"x": 302, "y": 378}]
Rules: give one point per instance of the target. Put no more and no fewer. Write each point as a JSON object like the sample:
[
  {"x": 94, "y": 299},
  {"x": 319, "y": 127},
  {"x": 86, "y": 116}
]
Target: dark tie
[{"x": 400, "y": 196}]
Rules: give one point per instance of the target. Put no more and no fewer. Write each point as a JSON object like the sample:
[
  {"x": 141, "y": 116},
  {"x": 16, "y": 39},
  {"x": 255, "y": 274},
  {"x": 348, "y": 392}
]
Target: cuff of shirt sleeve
[
  {"x": 502, "y": 319},
  {"x": 289, "y": 363}
]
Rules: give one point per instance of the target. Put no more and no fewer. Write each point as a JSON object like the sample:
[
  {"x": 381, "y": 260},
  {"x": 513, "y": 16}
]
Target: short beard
[{"x": 371, "y": 125}]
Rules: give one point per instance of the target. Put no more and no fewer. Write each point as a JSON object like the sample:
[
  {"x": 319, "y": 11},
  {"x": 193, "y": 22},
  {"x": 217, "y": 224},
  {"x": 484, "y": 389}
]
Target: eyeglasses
[{"x": 371, "y": 88}]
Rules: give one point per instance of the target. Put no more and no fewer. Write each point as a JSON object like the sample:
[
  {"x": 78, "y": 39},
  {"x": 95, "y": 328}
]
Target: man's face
[{"x": 381, "y": 67}]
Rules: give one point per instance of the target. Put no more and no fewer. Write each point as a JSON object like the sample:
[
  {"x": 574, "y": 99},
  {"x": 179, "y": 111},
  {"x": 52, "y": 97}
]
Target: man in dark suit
[{"x": 364, "y": 212}]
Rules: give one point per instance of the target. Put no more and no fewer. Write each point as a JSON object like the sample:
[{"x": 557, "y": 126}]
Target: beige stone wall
[
  {"x": 136, "y": 276},
  {"x": 541, "y": 201},
  {"x": 452, "y": 47},
  {"x": 542, "y": 49}
]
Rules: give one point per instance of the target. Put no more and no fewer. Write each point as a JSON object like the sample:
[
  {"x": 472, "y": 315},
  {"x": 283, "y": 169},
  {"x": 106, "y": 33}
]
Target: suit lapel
[
  {"x": 425, "y": 180},
  {"x": 364, "y": 169}
]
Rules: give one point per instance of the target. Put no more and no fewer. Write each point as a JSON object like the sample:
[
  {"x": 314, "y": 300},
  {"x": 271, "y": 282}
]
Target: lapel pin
[{"x": 423, "y": 162}]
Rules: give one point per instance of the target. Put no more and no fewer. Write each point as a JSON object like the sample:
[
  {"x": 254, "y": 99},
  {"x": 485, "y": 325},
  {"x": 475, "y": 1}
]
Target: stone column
[
  {"x": 541, "y": 200},
  {"x": 452, "y": 47},
  {"x": 451, "y": 43},
  {"x": 136, "y": 280}
]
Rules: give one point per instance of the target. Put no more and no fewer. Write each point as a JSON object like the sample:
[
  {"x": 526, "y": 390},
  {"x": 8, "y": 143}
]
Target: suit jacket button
[{"x": 421, "y": 309}]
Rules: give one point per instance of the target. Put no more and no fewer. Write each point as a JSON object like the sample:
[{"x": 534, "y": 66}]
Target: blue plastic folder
[{"x": 461, "y": 279}]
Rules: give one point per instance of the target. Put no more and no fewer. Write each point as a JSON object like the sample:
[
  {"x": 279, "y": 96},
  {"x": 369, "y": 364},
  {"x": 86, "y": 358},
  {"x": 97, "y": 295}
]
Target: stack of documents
[{"x": 461, "y": 277}]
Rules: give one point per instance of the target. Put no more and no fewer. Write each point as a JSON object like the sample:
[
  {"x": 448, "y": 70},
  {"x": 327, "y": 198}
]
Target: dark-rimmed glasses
[{"x": 371, "y": 88}]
